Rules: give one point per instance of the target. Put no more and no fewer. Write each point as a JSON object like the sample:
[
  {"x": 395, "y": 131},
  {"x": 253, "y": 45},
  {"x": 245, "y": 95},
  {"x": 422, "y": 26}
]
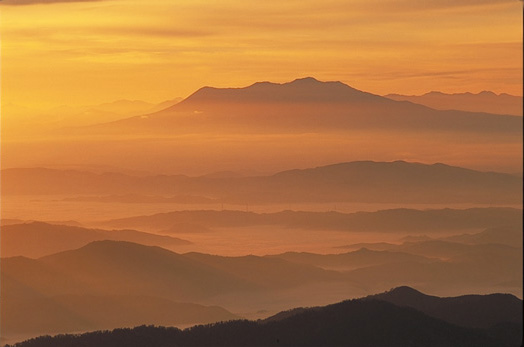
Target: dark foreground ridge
[
  {"x": 360, "y": 322},
  {"x": 474, "y": 311}
]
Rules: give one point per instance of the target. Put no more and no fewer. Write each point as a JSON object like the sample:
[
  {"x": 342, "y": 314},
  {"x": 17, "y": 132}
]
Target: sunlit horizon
[{"x": 90, "y": 52}]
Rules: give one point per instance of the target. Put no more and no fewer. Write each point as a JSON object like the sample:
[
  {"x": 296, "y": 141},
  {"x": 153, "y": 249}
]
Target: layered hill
[
  {"x": 361, "y": 181},
  {"x": 506, "y": 235},
  {"x": 79, "y": 313},
  {"x": 393, "y": 220},
  {"x": 509, "y": 235},
  {"x": 36, "y": 239},
  {"x": 474, "y": 311},
  {"x": 365, "y": 322},
  {"x": 442, "y": 267},
  {"x": 352, "y": 260},
  {"x": 114, "y": 283},
  {"x": 108, "y": 284},
  {"x": 485, "y": 101}
]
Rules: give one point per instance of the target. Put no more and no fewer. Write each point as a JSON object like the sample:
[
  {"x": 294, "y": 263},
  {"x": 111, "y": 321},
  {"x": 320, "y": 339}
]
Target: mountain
[
  {"x": 460, "y": 268},
  {"x": 487, "y": 102},
  {"x": 78, "y": 313},
  {"x": 12, "y": 221},
  {"x": 165, "y": 104},
  {"x": 108, "y": 284},
  {"x": 506, "y": 235},
  {"x": 351, "y": 260},
  {"x": 72, "y": 286},
  {"x": 304, "y": 90},
  {"x": 394, "y": 220},
  {"x": 474, "y": 311},
  {"x": 115, "y": 267},
  {"x": 498, "y": 264},
  {"x": 363, "y": 323},
  {"x": 268, "y": 272},
  {"x": 141, "y": 199},
  {"x": 37, "y": 239},
  {"x": 509, "y": 235},
  {"x": 360, "y": 181},
  {"x": 110, "y": 267},
  {"x": 306, "y": 122},
  {"x": 440, "y": 266},
  {"x": 374, "y": 180},
  {"x": 374, "y": 246},
  {"x": 300, "y": 105}
]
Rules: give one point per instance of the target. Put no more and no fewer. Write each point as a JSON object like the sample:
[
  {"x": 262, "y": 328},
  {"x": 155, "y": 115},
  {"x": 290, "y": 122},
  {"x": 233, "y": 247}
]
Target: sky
[{"x": 57, "y": 52}]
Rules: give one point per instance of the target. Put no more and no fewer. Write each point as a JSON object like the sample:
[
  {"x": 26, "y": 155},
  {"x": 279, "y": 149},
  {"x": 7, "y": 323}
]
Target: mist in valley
[{"x": 253, "y": 205}]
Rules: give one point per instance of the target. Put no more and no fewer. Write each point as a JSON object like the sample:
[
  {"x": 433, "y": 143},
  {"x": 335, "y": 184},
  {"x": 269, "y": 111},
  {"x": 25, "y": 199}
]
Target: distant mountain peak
[
  {"x": 261, "y": 83},
  {"x": 306, "y": 80},
  {"x": 462, "y": 310},
  {"x": 487, "y": 92},
  {"x": 433, "y": 92},
  {"x": 306, "y": 89},
  {"x": 439, "y": 93},
  {"x": 298, "y": 81},
  {"x": 485, "y": 101},
  {"x": 404, "y": 291}
]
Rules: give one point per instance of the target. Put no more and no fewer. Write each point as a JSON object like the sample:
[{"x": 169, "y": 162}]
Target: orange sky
[{"x": 99, "y": 51}]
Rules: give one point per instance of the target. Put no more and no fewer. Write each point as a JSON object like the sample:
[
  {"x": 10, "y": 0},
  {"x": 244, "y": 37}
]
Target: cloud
[
  {"x": 154, "y": 31},
  {"x": 38, "y": 2},
  {"x": 428, "y": 5}
]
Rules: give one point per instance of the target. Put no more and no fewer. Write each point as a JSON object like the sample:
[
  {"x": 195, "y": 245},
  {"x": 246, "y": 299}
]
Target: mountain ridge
[
  {"x": 36, "y": 239},
  {"x": 303, "y": 105},
  {"x": 103, "y": 269},
  {"x": 306, "y": 89},
  {"x": 349, "y": 323},
  {"x": 368, "y": 180},
  {"x": 385, "y": 220},
  {"x": 461, "y": 310},
  {"x": 484, "y": 101}
]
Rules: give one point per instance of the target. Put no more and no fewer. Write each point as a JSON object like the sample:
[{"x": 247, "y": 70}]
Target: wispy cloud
[
  {"x": 377, "y": 45},
  {"x": 38, "y": 2},
  {"x": 428, "y": 5}
]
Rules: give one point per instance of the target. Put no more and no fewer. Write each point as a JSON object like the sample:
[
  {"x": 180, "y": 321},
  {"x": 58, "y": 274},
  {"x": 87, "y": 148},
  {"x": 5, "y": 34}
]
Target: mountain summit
[
  {"x": 473, "y": 311},
  {"x": 305, "y": 105},
  {"x": 301, "y": 90}
]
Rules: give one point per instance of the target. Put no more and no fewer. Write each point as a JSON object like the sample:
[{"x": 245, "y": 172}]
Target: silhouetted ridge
[
  {"x": 384, "y": 168},
  {"x": 404, "y": 292},
  {"x": 306, "y": 106},
  {"x": 475, "y": 311},
  {"x": 362, "y": 323},
  {"x": 363, "y": 181},
  {"x": 305, "y": 80},
  {"x": 485, "y": 101},
  {"x": 285, "y": 314},
  {"x": 300, "y": 90}
]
